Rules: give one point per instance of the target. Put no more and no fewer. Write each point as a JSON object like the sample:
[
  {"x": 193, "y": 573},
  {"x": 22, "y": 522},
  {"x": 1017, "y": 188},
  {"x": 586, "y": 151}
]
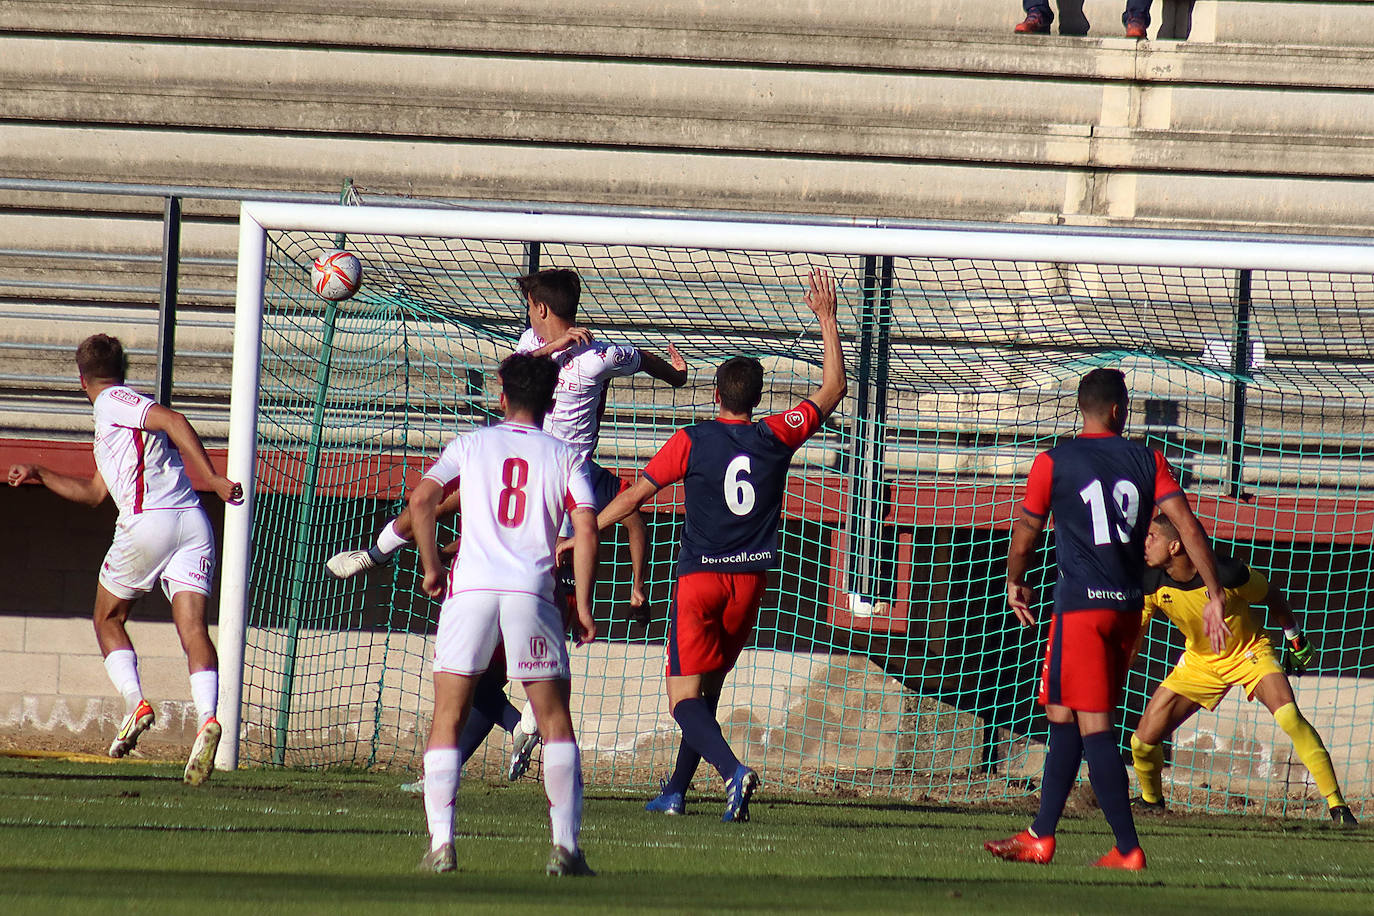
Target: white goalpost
[{"x": 962, "y": 345}]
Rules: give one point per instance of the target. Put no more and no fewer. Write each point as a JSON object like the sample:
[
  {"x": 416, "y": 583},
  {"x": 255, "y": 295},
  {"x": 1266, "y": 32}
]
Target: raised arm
[
  {"x": 90, "y": 492},
  {"x": 1200, "y": 552},
  {"x": 178, "y": 429},
  {"x": 1024, "y": 532},
  {"x": 674, "y": 371},
  {"x": 424, "y": 505},
  {"x": 834, "y": 385}
]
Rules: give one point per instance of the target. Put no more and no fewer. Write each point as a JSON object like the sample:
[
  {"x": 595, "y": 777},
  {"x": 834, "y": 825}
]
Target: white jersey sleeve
[
  {"x": 528, "y": 342},
  {"x": 140, "y": 467}
]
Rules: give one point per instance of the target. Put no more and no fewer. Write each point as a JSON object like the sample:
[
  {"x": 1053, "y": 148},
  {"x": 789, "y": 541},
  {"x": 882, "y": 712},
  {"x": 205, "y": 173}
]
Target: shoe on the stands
[
  {"x": 1136, "y": 28},
  {"x": 1131, "y": 861},
  {"x": 737, "y": 793},
  {"x": 134, "y": 724},
  {"x": 349, "y": 563},
  {"x": 1140, "y": 806},
  {"x": 525, "y": 743},
  {"x": 440, "y": 860},
  {"x": 1035, "y": 23},
  {"x": 1342, "y": 816},
  {"x": 667, "y": 802},
  {"x": 1023, "y": 848},
  {"x": 564, "y": 864},
  {"x": 201, "y": 763}
]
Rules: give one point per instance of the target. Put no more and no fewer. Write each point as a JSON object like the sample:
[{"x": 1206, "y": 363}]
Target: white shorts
[
  {"x": 472, "y": 623},
  {"x": 175, "y": 546}
]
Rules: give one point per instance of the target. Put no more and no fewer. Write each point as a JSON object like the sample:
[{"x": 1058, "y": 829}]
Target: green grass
[{"x": 99, "y": 838}]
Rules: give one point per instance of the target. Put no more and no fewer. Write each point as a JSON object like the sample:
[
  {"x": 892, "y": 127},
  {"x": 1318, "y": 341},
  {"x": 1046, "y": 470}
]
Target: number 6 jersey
[
  {"x": 734, "y": 474},
  {"x": 1102, "y": 491},
  {"x": 516, "y": 484}
]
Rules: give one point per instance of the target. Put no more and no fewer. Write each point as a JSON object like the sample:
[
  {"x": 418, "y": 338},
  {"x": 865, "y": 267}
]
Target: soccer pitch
[{"x": 129, "y": 837}]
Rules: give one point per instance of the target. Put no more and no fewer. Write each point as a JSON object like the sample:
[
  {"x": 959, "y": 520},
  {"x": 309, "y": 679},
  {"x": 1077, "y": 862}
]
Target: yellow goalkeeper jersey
[{"x": 1182, "y": 602}]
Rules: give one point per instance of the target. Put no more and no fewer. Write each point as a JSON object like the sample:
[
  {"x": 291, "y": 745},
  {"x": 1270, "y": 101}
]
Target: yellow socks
[
  {"x": 1148, "y": 760},
  {"x": 1310, "y": 750}
]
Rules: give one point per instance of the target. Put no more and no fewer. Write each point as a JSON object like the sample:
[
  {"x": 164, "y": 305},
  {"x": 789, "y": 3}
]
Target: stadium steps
[
  {"x": 879, "y": 107},
  {"x": 873, "y": 108}
]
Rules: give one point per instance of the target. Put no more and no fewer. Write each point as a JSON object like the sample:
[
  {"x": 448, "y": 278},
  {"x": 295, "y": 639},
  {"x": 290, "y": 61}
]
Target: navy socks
[
  {"x": 701, "y": 732},
  {"x": 1107, "y": 774},
  {"x": 1064, "y": 754}
]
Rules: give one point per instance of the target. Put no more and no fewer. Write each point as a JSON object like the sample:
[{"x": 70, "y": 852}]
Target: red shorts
[
  {"x": 712, "y": 617},
  {"x": 1085, "y": 661}
]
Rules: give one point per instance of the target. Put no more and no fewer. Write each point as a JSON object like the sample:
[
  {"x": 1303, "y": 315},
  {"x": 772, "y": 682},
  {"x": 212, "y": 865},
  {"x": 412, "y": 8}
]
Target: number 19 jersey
[
  {"x": 516, "y": 484},
  {"x": 1102, "y": 491}
]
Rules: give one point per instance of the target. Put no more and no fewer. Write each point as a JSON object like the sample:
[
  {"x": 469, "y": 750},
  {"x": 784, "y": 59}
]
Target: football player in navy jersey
[
  {"x": 1102, "y": 491},
  {"x": 734, "y": 473}
]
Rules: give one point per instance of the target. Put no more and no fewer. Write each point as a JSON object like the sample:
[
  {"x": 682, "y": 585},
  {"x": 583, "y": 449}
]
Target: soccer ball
[{"x": 336, "y": 275}]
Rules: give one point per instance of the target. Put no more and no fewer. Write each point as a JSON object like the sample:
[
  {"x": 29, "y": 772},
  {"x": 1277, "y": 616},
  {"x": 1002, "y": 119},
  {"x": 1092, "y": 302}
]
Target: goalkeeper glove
[{"x": 1300, "y": 654}]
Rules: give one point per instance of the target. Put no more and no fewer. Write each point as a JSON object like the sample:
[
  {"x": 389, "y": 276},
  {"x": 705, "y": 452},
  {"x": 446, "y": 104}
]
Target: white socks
[
  {"x": 563, "y": 786},
  {"x": 441, "y": 793},
  {"x": 122, "y": 667},
  {"x": 205, "y": 694},
  {"x": 388, "y": 541}
]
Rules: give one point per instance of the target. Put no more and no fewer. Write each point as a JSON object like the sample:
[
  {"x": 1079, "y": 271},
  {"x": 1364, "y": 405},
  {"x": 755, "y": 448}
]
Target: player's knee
[{"x": 1143, "y": 752}]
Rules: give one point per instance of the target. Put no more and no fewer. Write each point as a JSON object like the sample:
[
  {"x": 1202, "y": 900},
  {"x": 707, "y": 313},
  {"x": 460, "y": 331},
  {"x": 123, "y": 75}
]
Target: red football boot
[
  {"x": 1023, "y": 848},
  {"x": 1131, "y": 861}
]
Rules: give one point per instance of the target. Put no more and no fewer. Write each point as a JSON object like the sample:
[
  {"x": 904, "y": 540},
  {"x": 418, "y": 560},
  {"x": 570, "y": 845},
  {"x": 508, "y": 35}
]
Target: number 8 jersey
[
  {"x": 516, "y": 483},
  {"x": 1102, "y": 491},
  {"x": 734, "y": 474}
]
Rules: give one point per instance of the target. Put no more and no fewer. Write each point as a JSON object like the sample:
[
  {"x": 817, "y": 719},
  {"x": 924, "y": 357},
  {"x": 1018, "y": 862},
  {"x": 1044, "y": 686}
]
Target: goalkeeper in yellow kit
[{"x": 1203, "y": 676}]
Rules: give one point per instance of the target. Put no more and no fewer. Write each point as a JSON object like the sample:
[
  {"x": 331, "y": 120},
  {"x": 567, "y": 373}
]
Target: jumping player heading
[
  {"x": 162, "y": 535},
  {"x": 734, "y": 473},
  {"x": 1102, "y": 491},
  {"x": 517, "y": 484},
  {"x": 586, "y": 367}
]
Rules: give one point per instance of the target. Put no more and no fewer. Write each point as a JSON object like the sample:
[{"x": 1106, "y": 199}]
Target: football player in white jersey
[
  {"x": 586, "y": 367},
  {"x": 162, "y": 536},
  {"x": 517, "y": 485}
]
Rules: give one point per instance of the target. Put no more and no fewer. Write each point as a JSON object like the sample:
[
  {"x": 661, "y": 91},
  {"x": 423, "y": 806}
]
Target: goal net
[{"x": 885, "y": 659}]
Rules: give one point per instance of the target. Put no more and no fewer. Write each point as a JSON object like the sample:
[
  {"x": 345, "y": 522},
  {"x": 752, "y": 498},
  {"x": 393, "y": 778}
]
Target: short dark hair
[
  {"x": 1100, "y": 389},
  {"x": 1167, "y": 526},
  {"x": 101, "y": 357},
  {"x": 739, "y": 381},
  {"x": 557, "y": 289},
  {"x": 529, "y": 382}
]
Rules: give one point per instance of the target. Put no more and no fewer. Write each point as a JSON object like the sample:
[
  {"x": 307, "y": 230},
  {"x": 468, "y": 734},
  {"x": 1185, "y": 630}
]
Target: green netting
[{"x": 885, "y": 658}]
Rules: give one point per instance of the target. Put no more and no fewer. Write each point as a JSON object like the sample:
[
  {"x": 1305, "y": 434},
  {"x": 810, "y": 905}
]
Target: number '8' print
[{"x": 510, "y": 503}]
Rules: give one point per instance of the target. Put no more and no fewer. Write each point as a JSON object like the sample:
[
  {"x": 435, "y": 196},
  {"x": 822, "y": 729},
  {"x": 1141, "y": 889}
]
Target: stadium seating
[{"x": 871, "y": 108}]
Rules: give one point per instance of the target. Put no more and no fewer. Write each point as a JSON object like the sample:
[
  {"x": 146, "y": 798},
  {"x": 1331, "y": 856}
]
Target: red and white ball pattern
[{"x": 336, "y": 275}]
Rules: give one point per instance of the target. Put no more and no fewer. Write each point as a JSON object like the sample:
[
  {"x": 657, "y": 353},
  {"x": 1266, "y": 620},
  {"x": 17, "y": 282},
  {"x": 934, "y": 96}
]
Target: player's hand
[
  {"x": 1019, "y": 596},
  {"x": 573, "y": 335},
  {"x": 451, "y": 547},
  {"x": 821, "y": 296},
  {"x": 675, "y": 359},
  {"x": 1299, "y": 656},
  {"x": 584, "y": 627},
  {"x": 640, "y": 612},
  {"x": 562, "y": 552},
  {"x": 1214, "y": 623},
  {"x": 22, "y": 473},
  {"x": 433, "y": 584},
  {"x": 230, "y": 492}
]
